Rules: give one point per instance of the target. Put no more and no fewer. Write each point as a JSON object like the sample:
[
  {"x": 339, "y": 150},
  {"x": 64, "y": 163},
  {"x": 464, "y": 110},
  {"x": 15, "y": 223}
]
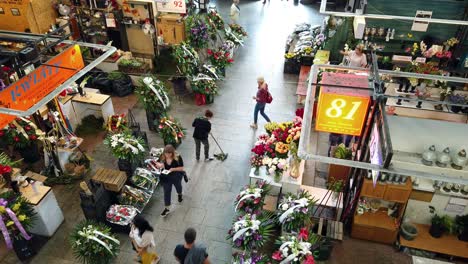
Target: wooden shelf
[
  {"x": 447, "y": 244},
  {"x": 378, "y": 219}
]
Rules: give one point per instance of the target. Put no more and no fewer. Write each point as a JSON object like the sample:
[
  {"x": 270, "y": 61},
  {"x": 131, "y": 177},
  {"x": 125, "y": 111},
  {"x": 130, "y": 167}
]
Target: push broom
[{"x": 221, "y": 156}]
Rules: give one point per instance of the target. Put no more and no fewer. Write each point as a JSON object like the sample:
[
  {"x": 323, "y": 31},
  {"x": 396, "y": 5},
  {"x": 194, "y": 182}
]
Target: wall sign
[
  {"x": 171, "y": 6},
  {"x": 343, "y": 114},
  {"x": 419, "y": 25},
  {"x": 30, "y": 89}
]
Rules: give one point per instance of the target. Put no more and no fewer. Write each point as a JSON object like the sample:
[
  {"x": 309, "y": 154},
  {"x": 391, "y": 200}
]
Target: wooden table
[
  {"x": 99, "y": 105},
  {"x": 49, "y": 214},
  {"x": 447, "y": 244},
  {"x": 113, "y": 180}
]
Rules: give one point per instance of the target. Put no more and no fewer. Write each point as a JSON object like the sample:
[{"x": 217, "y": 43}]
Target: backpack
[{"x": 269, "y": 98}]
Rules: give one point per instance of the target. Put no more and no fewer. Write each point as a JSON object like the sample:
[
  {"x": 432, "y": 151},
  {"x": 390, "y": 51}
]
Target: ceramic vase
[
  {"x": 459, "y": 161},
  {"x": 443, "y": 159},
  {"x": 429, "y": 156}
]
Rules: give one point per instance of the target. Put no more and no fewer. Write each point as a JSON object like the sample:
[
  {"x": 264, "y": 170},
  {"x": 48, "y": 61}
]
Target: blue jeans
[{"x": 260, "y": 107}]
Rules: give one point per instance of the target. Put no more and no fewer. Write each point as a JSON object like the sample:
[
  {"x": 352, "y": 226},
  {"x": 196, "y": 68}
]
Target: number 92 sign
[{"x": 342, "y": 114}]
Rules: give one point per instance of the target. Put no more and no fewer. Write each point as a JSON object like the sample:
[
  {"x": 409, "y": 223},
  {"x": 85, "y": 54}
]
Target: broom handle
[{"x": 217, "y": 143}]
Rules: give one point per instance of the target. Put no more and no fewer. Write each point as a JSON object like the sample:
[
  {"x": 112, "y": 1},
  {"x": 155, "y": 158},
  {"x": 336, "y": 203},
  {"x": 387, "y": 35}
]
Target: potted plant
[
  {"x": 94, "y": 243},
  {"x": 456, "y": 99},
  {"x": 437, "y": 223},
  {"x": 171, "y": 131},
  {"x": 340, "y": 172},
  {"x": 249, "y": 232},
  {"x": 336, "y": 186},
  {"x": 205, "y": 88},
  {"x": 128, "y": 149},
  {"x": 152, "y": 94},
  {"x": 461, "y": 225},
  {"x": 295, "y": 211},
  {"x": 18, "y": 216},
  {"x": 251, "y": 198}
]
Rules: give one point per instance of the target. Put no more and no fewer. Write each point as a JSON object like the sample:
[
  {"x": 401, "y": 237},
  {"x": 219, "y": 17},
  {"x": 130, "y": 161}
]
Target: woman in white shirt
[
  {"x": 235, "y": 12},
  {"x": 356, "y": 57},
  {"x": 142, "y": 237}
]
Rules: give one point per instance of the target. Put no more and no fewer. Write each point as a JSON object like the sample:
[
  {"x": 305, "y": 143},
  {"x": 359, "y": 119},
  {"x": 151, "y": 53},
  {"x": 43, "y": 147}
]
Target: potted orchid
[
  {"x": 249, "y": 258},
  {"x": 275, "y": 167},
  {"x": 256, "y": 162},
  {"x": 251, "y": 231},
  {"x": 297, "y": 249},
  {"x": 251, "y": 198},
  {"x": 171, "y": 131},
  {"x": 295, "y": 211}
]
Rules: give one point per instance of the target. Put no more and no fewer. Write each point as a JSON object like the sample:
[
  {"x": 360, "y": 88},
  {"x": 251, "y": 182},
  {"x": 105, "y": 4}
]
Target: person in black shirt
[
  {"x": 202, "y": 127},
  {"x": 172, "y": 162},
  {"x": 190, "y": 253}
]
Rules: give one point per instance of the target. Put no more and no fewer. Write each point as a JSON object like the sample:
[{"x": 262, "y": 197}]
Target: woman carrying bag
[
  {"x": 141, "y": 233},
  {"x": 173, "y": 165}
]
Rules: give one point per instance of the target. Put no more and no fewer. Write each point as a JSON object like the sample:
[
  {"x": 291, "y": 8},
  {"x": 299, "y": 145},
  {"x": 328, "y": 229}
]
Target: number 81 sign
[{"x": 342, "y": 114}]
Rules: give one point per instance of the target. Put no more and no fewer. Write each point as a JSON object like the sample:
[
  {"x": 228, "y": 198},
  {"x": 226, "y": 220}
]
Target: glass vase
[
  {"x": 294, "y": 165},
  {"x": 277, "y": 176},
  {"x": 257, "y": 171}
]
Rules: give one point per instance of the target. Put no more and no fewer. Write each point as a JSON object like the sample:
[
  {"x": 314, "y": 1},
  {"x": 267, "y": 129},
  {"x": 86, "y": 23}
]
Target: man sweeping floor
[{"x": 202, "y": 127}]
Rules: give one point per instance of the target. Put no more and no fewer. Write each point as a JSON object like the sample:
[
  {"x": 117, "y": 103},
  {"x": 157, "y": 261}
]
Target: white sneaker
[
  {"x": 254, "y": 126},
  {"x": 209, "y": 159}
]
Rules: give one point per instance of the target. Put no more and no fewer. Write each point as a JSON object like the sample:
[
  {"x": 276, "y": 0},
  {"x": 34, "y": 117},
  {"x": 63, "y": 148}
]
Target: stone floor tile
[
  {"x": 220, "y": 250},
  {"x": 195, "y": 215}
]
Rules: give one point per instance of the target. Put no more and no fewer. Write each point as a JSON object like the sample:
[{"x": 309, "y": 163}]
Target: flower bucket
[
  {"x": 200, "y": 99},
  {"x": 209, "y": 98}
]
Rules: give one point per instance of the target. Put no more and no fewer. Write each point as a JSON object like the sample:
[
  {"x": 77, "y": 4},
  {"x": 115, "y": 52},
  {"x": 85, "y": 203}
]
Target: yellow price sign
[{"x": 342, "y": 114}]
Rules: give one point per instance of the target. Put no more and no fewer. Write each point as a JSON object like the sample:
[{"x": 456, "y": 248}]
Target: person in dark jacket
[{"x": 202, "y": 127}]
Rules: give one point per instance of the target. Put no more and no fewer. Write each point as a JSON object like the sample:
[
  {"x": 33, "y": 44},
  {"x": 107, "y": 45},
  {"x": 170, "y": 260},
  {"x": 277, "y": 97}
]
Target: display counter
[{"x": 99, "y": 105}]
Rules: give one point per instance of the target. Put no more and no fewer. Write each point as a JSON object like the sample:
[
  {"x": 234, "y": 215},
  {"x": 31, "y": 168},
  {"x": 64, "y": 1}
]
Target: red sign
[
  {"x": 30, "y": 89},
  {"x": 342, "y": 114}
]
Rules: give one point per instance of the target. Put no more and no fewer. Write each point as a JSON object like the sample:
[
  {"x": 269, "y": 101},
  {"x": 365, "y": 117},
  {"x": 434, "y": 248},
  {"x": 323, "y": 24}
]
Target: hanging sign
[
  {"x": 342, "y": 110},
  {"x": 171, "y": 6},
  {"x": 419, "y": 25},
  {"x": 30, "y": 89}
]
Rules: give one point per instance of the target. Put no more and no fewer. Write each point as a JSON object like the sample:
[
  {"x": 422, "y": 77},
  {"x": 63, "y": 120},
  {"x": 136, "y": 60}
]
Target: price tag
[{"x": 171, "y": 6}]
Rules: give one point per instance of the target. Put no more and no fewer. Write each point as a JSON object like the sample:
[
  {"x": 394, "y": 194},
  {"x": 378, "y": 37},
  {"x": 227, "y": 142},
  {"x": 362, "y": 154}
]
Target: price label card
[
  {"x": 171, "y": 6},
  {"x": 342, "y": 114}
]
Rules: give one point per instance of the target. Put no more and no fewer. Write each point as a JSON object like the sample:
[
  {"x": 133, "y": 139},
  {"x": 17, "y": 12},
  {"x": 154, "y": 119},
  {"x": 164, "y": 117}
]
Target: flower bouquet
[
  {"x": 134, "y": 197},
  {"x": 281, "y": 150},
  {"x": 270, "y": 127},
  {"x": 125, "y": 146},
  {"x": 186, "y": 58},
  {"x": 121, "y": 214},
  {"x": 294, "y": 134},
  {"x": 116, "y": 123},
  {"x": 215, "y": 19},
  {"x": 249, "y": 258},
  {"x": 250, "y": 231},
  {"x": 275, "y": 167},
  {"x": 296, "y": 249},
  {"x": 282, "y": 132},
  {"x": 451, "y": 42},
  {"x": 197, "y": 31},
  {"x": 16, "y": 216},
  {"x": 204, "y": 85},
  {"x": 94, "y": 243},
  {"x": 220, "y": 58},
  {"x": 256, "y": 162},
  {"x": 21, "y": 133},
  {"x": 143, "y": 179},
  {"x": 171, "y": 131},
  {"x": 260, "y": 146},
  {"x": 295, "y": 211},
  {"x": 238, "y": 29},
  {"x": 234, "y": 37},
  {"x": 251, "y": 198},
  {"x": 228, "y": 46},
  {"x": 152, "y": 93}
]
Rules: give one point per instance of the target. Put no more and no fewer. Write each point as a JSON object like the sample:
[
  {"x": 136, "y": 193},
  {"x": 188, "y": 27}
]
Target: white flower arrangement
[
  {"x": 125, "y": 146},
  {"x": 293, "y": 250},
  {"x": 275, "y": 165},
  {"x": 295, "y": 210}
]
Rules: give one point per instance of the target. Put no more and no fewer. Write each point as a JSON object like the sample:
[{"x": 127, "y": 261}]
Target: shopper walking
[
  {"x": 263, "y": 97},
  {"x": 141, "y": 234},
  {"x": 191, "y": 253},
  {"x": 202, "y": 127},
  {"x": 356, "y": 57},
  {"x": 173, "y": 164},
  {"x": 235, "y": 12}
]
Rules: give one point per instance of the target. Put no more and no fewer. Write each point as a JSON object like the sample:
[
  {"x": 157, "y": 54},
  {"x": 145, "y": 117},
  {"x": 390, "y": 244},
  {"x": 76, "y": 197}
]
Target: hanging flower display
[
  {"x": 125, "y": 146},
  {"x": 215, "y": 19},
  {"x": 21, "y": 133},
  {"x": 117, "y": 123},
  {"x": 152, "y": 93},
  {"x": 186, "y": 58},
  {"x": 251, "y": 198},
  {"x": 295, "y": 211},
  {"x": 171, "y": 131},
  {"x": 197, "y": 31},
  {"x": 251, "y": 231},
  {"x": 16, "y": 217},
  {"x": 249, "y": 258},
  {"x": 94, "y": 243},
  {"x": 296, "y": 249}
]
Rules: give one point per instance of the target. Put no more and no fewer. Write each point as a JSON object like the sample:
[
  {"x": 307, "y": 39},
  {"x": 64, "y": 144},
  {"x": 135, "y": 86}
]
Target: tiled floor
[{"x": 207, "y": 205}]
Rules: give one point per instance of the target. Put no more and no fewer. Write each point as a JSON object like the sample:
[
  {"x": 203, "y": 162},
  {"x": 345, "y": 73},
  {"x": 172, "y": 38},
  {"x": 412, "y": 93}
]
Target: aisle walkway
[{"x": 208, "y": 202}]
